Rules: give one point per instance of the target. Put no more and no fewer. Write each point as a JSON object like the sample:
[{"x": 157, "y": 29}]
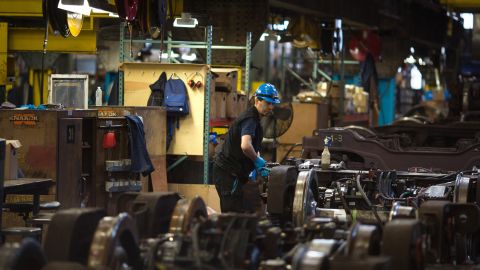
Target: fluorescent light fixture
[
  {"x": 410, "y": 60},
  {"x": 172, "y": 55},
  {"x": 81, "y": 7},
  {"x": 280, "y": 26},
  {"x": 86, "y": 7},
  {"x": 270, "y": 36},
  {"x": 416, "y": 81},
  {"x": 467, "y": 20},
  {"x": 185, "y": 21},
  {"x": 189, "y": 57}
]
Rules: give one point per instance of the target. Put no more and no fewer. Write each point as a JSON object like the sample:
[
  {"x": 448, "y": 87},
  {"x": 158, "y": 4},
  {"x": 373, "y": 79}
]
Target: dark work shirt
[{"x": 248, "y": 127}]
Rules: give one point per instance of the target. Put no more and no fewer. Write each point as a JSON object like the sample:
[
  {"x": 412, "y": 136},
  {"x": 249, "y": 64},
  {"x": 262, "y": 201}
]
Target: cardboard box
[
  {"x": 227, "y": 79},
  {"x": 11, "y": 162}
]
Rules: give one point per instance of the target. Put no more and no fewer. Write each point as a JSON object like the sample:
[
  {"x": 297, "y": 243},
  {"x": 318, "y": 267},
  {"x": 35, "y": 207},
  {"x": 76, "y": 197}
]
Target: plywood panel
[
  {"x": 207, "y": 192},
  {"x": 306, "y": 118},
  {"x": 159, "y": 176},
  {"x": 38, "y": 155},
  {"x": 138, "y": 77}
]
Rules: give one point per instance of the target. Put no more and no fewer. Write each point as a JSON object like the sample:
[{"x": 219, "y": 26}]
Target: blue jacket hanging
[{"x": 141, "y": 162}]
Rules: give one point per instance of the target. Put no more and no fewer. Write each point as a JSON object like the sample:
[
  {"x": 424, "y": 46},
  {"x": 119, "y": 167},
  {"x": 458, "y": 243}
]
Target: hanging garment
[
  {"x": 158, "y": 91},
  {"x": 141, "y": 162}
]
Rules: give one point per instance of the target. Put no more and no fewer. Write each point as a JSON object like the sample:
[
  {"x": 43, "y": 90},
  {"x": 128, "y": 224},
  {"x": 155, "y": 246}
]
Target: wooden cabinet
[
  {"x": 66, "y": 146},
  {"x": 52, "y": 147}
]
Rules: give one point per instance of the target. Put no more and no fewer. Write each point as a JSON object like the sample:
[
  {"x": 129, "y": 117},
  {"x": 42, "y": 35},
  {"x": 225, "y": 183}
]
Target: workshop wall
[{"x": 188, "y": 137}]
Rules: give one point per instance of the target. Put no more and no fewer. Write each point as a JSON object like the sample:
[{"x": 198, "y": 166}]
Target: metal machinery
[
  {"x": 316, "y": 219},
  {"x": 401, "y": 147}
]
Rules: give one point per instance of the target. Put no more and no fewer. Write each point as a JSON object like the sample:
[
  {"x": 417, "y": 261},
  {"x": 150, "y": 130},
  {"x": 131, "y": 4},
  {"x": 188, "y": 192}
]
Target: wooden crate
[
  {"x": 232, "y": 105},
  {"x": 221, "y": 104}
]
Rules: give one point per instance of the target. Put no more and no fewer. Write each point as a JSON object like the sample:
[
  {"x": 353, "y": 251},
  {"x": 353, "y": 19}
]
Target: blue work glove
[
  {"x": 259, "y": 162},
  {"x": 253, "y": 176},
  {"x": 264, "y": 171}
]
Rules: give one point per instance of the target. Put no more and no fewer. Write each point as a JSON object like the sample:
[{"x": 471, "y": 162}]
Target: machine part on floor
[
  {"x": 363, "y": 153},
  {"x": 70, "y": 234},
  {"x": 314, "y": 255},
  {"x": 280, "y": 187},
  {"x": 462, "y": 189},
  {"x": 363, "y": 240},
  {"x": 186, "y": 213},
  {"x": 400, "y": 211},
  {"x": 368, "y": 263},
  {"x": 402, "y": 241},
  {"x": 273, "y": 264},
  {"x": 115, "y": 244},
  {"x": 27, "y": 255},
  {"x": 322, "y": 227},
  {"x": 125, "y": 201},
  {"x": 225, "y": 241},
  {"x": 64, "y": 265},
  {"x": 271, "y": 243},
  {"x": 466, "y": 222},
  {"x": 305, "y": 197},
  {"x": 152, "y": 212},
  {"x": 433, "y": 215}
]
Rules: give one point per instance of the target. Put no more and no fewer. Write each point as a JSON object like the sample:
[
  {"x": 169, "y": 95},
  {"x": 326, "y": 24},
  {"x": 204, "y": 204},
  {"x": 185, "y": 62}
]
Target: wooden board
[
  {"x": 138, "y": 77},
  {"x": 154, "y": 123},
  {"x": 207, "y": 192},
  {"x": 70, "y": 140},
  {"x": 306, "y": 118}
]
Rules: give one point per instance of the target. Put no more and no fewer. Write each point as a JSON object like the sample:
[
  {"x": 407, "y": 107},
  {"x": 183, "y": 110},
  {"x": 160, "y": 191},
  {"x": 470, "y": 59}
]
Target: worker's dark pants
[
  {"x": 229, "y": 189},
  {"x": 236, "y": 195}
]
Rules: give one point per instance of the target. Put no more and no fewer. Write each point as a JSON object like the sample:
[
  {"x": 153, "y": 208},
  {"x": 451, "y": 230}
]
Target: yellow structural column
[{"x": 3, "y": 53}]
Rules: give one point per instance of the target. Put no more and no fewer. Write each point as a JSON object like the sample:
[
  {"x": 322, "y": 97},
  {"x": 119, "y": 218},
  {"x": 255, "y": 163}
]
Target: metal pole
[
  {"x": 121, "y": 76},
  {"x": 206, "y": 117},
  {"x": 338, "y": 26},
  {"x": 247, "y": 64},
  {"x": 284, "y": 71}
]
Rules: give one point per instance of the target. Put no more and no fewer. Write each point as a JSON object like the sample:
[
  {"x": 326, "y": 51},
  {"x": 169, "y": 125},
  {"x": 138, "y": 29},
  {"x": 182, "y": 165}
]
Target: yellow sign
[
  {"x": 107, "y": 113},
  {"x": 24, "y": 119}
]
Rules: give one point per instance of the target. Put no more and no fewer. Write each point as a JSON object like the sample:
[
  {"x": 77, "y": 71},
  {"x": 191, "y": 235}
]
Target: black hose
[
  {"x": 359, "y": 186},
  {"x": 344, "y": 202}
]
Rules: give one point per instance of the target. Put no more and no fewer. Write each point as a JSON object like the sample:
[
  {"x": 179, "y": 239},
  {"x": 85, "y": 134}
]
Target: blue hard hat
[{"x": 267, "y": 92}]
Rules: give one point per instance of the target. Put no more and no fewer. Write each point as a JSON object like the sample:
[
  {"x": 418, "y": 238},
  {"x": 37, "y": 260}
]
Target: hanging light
[
  {"x": 86, "y": 7},
  {"x": 185, "y": 21}
]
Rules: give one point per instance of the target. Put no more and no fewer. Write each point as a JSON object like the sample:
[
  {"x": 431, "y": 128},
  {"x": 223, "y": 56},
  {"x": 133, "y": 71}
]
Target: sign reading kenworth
[{"x": 25, "y": 119}]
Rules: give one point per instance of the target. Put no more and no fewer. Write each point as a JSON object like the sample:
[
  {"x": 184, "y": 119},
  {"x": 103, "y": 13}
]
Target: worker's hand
[
  {"x": 264, "y": 172},
  {"x": 259, "y": 162}
]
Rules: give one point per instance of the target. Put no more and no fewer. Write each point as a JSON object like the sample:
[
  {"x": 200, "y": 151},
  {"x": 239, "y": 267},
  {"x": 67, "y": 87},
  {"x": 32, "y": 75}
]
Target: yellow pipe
[
  {"x": 3, "y": 53},
  {"x": 25, "y": 8},
  {"x": 461, "y": 3},
  {"x": 26, "y": 39},
  {"x": 34, "y": 81}
]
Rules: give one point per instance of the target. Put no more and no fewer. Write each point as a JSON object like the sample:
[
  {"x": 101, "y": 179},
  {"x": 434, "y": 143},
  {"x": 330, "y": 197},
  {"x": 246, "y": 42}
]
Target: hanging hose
[
  {"x": 45, "y": 40},
  {"x": 359, "y": 186}
]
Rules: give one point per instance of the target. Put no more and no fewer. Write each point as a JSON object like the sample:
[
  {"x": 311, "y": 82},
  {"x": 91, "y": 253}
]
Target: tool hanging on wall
[
  {"x": 195, "y": 84},
  {"x": 131, "y": 9}
]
